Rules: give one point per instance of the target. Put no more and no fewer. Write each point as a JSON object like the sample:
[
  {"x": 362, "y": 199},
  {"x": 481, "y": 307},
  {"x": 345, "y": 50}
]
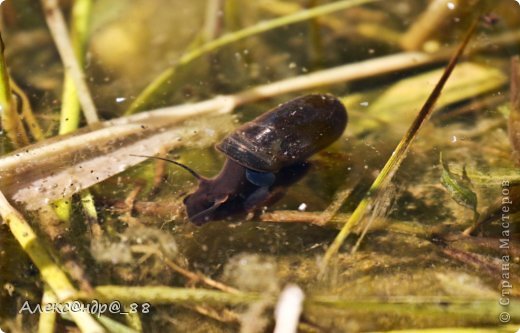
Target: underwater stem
[
  {"x": 58, "y": 30},
  {"x": 70, "y": 107},
  {"x": 50, "y": 272},
  {"x": 11, "y": 122}
]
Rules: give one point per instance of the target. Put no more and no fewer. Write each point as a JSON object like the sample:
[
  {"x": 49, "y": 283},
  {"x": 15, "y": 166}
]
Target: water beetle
[{"x": 265, "y": 156}]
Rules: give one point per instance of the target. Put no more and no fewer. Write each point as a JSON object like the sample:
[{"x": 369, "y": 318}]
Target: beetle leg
[
  {"x": 257, "y": 198},
  {"x": 204, "y": 215}
]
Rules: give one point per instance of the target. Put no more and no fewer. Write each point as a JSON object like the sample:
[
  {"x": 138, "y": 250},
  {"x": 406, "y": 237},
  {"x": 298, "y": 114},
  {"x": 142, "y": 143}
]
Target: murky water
[{"x": 413, "y": 269}]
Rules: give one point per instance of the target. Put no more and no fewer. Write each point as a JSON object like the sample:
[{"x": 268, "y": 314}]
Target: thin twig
[
  {"x": 11, "y": 122},
  {"x": 334, "y": 207},
  {"x": 224, "y": 316},
  {"x": 166, "y": 295},
  {"x": 294, "y": 216},
  {"x": 59, "y": 32},
  {"x": 199, "y": 277},
  {"x": 399, "y": 154},
  {"x": 482, "y": 263},
  {"x": 27, "y": 113}
]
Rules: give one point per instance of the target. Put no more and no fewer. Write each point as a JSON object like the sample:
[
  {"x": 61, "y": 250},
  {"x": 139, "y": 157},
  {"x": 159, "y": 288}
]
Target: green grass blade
[
  {"x": 155, "y": 86},
  {"x": 70, "y": 106},
  {"x": 399, "y": 154}
]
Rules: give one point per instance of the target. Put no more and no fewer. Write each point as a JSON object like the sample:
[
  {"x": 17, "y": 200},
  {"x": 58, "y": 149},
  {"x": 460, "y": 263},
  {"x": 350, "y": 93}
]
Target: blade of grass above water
[{"x": 399, "y": 154}]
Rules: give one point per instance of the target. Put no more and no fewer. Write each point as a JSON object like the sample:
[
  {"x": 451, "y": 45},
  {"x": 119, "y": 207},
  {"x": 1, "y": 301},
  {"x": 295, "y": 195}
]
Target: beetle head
[{"x": 202, "y": 204}]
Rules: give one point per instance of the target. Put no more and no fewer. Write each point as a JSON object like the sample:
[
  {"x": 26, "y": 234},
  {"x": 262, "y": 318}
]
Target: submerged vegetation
[{"x": 408, "y": 222}]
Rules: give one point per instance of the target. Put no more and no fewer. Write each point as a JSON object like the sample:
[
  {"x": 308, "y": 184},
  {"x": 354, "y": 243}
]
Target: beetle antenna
[{"x": 185, "y": 167}]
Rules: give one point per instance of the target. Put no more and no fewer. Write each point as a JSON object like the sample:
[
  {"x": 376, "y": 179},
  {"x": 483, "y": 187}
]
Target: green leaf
[{"x": 459, "y": 188}]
